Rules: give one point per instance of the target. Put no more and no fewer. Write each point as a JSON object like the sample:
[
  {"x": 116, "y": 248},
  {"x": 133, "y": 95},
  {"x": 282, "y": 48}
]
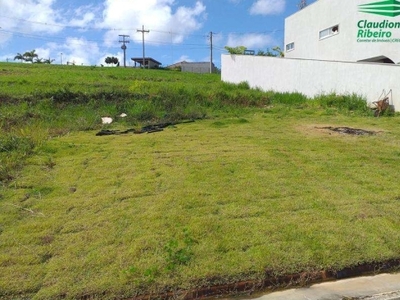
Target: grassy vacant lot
[{"x": 255, "y": 187}]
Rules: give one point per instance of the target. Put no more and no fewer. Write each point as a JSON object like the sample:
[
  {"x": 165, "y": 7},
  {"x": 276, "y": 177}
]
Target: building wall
[
  {"x": 313, "y": 77},
  {"x": 196, "y": 67},
  {"x": 152, "y": 65},
  {"x": 303, "y": 27}
]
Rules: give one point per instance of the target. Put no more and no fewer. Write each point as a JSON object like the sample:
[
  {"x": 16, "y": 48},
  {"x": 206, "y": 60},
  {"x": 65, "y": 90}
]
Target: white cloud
[
  {"x": 267, "y": 7},
  {"x": 251, "y": 41},
  {"x": 44, "y": 53},
  {"x": 79, "y": 51},
  {"x": 30, "y": 15},
  {"x": 7, "y": 57},
  {"x": 165, "y": 21},
  {"x": 83, "y": 21}
]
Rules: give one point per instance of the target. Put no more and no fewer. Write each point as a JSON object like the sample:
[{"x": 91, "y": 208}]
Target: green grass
[{"x": 247, "y": 191}]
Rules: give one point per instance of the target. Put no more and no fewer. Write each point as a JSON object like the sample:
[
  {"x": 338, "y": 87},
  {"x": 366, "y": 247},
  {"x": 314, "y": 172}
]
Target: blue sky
[{"x": 87, "y": 31}]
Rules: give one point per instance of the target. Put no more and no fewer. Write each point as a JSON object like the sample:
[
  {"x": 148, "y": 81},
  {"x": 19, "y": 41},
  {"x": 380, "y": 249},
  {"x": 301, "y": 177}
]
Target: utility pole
[
  {"x": 123, "y": 47},
  {"x": 143, "y": 31},
  {"x": 211, "y": 51}
]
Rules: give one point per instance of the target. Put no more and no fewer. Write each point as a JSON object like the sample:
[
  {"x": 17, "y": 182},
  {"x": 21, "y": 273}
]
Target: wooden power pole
[
  {"x": 211, "y": 51},
  {"x": 143, "y": 32},
  {"x": 123, "y": 47}
]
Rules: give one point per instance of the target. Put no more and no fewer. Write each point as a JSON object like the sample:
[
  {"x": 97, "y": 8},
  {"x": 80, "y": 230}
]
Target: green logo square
[{"x": 388, "y": 8}]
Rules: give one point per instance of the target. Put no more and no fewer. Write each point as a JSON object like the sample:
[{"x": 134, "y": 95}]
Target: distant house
[
  {"x": 177, "y": 66},
  {"x": 194, "y": 67},
  {"x": 149, "y": 63}
]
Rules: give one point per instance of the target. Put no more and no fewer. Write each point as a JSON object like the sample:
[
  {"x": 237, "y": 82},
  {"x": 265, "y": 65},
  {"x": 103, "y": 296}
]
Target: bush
[
  {"x": 289, "y": 98},
  {"x": 351, "y": 102}
]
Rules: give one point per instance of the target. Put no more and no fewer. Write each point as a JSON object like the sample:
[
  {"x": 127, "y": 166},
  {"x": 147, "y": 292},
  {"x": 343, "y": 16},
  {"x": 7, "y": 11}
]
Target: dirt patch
[
  {"x": 348, "y": 130},
  {"x": 320, "y": 130},
  {"x": 145, "y": 129}
]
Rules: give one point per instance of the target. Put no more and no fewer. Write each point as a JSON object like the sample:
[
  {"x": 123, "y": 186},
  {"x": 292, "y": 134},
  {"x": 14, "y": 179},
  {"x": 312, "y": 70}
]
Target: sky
[{"x": 85, "y": 32}]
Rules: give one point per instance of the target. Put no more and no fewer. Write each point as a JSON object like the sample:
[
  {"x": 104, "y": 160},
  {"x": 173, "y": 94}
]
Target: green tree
[
  {"x": 48, "y": 61},
  {"x": 30, "y": 56},
  {"x": 114, "y": 60},
  {"x": 111, "y": 60},
  {"x": 20, "y": 57},
  {"x": 265, "y": 53},
  {"x": 276, "y": 52},
  {"x": 108, "y": 60},
  {"x": 236, "y": 50}
]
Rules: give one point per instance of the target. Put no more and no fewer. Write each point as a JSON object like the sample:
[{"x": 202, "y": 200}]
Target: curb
[{"x": 271, "y": 283}]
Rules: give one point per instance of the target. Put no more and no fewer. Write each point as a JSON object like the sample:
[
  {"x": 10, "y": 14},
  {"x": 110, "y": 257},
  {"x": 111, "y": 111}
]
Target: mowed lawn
[{"x": 209, "y": 202}]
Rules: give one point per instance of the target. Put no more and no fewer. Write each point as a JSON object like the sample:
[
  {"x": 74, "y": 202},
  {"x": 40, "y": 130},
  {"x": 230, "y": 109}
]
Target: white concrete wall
[
  {"x": 196, "y": 67},
  {"x": 313, "y": 77},
  {"x": 303, "y": 27}
]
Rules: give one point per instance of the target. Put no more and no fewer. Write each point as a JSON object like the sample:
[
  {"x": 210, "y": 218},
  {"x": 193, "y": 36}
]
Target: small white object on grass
[
  {"x": 123, "y": 115},
  {"x": 106, "y": 120}
]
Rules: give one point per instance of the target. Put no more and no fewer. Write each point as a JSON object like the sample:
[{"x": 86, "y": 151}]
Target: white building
[
  {"x": 339, "y": 30},
  {"x": 331, "y": 46}
]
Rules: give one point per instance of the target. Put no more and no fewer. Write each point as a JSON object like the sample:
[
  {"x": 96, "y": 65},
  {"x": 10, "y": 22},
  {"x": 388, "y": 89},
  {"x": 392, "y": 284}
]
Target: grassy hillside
[{"x": 257, "y": 186}]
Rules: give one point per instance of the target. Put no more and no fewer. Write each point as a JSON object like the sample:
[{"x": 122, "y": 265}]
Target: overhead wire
[
  {"x": 78, "y": 40},
  {"x": 204, "y": 45},
  {"x": 98, "y": 28}
]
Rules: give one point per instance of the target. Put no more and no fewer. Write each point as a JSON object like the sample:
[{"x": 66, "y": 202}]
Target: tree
[
  {"x": 111, "y": 60},
  {"x": 236, "y": 50},
  {"x": 19, "y": 56},
  {"x": 30, "y": 55},
  {"x": 276, "y": 52},
  {"x": 265, "y": 53},
  {"x": 48, "y": 61}
]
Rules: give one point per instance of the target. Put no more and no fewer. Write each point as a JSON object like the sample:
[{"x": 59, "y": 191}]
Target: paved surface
[{"x": 378, "y": 287}]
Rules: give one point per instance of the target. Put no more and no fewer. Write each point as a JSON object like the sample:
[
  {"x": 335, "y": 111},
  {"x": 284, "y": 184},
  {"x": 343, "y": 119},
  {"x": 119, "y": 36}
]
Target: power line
[
  {"x": 98, "y": 28},
  {"x": 101, "y": 28},
  {"x": 192, "y": 46},
  {"x": 46, "y": 38},
  {"x": 59, "y": 39}
]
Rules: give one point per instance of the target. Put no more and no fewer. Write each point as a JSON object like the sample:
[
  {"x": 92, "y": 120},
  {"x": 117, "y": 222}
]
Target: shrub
[
  {"x": 351, "y": 102},
  {"x": 288, "y": 98}
]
